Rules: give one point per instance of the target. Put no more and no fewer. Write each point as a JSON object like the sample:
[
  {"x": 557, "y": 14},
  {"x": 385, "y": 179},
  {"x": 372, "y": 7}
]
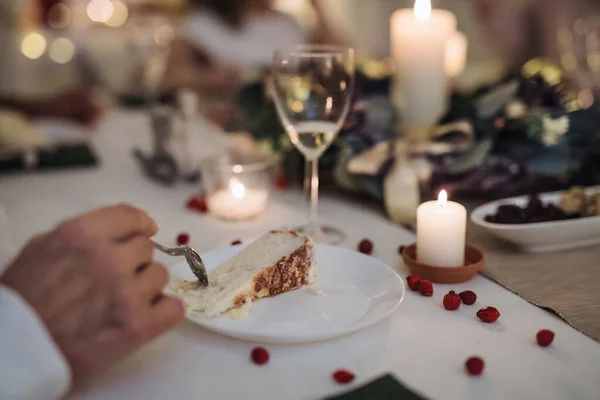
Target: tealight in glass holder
[{"x": 235, "y": 191}]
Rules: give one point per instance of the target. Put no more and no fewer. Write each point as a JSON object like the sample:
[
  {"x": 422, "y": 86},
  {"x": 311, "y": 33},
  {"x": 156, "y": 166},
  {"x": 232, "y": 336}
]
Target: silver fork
[{"x": 193, "y": 259}]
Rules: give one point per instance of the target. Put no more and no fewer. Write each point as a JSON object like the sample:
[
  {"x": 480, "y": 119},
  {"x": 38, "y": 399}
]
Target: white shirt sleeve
[
  {"x": 31, "y": 365},
  {"x": 250, "y": 46}
]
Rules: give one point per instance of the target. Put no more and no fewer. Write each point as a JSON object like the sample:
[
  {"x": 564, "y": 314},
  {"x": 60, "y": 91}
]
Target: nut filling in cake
[{"x": 276, "y": 263}]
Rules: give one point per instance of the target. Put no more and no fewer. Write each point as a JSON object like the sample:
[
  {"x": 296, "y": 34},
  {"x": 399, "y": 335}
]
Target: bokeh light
[
  {"x": 580, "y": 27},
  {"x": 59, "y": 15},
  {"x": 119, "y": 14},
  {"x": 297, "y": 106},
  {"x": 593, "y": 61},
  {"x": 164, "y": 35},
  {"x": 586, "y": 98},
  {"x": 33, "y": 45},
  {"x": 61, "y": 50},
  {"x": 100, "y": 10},
  {"x": 569, "y": 62}
]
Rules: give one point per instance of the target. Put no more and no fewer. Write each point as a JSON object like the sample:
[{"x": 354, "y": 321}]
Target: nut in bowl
[{"x": 545, "y": 222}]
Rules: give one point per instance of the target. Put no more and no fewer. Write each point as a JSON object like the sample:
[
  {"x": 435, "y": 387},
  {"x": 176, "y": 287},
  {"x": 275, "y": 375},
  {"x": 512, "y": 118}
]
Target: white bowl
[{"x": 541, "y": 236}]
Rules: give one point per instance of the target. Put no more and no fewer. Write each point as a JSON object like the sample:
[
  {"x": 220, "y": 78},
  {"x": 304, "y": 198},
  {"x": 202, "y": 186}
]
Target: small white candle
[
  {"x": 441, "y": 229},
  {"x": 237, "y": 202},
  {"x": 418, "y": 40},
  {"x": 456, "y": 54}
]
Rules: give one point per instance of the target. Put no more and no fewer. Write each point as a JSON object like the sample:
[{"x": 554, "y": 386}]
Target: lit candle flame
[
  {"x": 443, "y": 198},
  {"x": 422, "y": 10},
  {"x": 238, "y": 191}
]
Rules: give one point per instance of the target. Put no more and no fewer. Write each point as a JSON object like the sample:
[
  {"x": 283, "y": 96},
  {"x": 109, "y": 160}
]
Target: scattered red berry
[
  {"x": 426, "y": 287},
  {"x": 545, "y": 337},
  {"x": 401, "y": 249},
  {"x": 260, "y": 356},
  {"x": 488, "y": 314},
  {"x": 236, "y": 242},
  {"x": 365, "y": 246},
  {"x": 197, "y": 203},
  {"x": 468, "y": 297},
  {"x": 281, "y": 182},
  {"x": 413, "y": 282},
  {"x": 474, "y": 366},
  {"x": 183, "y": 239},
  {"x": 451, "y": 301},
  {"x": 343, "y": 376}
]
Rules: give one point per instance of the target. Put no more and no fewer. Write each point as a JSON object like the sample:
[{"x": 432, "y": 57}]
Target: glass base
[{"x": 325, "y": 234}]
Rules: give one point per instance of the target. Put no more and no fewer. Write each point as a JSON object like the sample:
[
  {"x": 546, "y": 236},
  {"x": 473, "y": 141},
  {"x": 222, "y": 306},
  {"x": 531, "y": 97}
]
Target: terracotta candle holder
[{"x": 474, "y": 261}]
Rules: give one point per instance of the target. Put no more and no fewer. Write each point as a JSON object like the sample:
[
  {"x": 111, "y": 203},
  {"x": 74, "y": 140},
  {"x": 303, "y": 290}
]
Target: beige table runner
[{"x": 565, "y": 282}]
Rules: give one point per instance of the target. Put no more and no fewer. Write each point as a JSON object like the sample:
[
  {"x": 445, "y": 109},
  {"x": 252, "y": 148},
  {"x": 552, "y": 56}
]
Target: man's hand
[
  {"x": 76, "y": 105},
  {"x": 94, "y": 284}
]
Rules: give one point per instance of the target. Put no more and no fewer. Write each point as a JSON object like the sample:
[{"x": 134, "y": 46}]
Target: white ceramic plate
[
  {"x": 541, "y": 236},
  {"x": 352, "y": 292}
]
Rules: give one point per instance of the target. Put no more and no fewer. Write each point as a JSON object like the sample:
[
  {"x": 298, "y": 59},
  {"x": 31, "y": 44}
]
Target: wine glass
[
  {"x": 313, "y": 86},
  {"x": 335, "y": 235}
]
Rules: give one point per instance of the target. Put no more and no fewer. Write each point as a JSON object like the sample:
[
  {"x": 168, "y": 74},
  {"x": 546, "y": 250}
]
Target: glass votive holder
[{"x": 235, "y": 191}]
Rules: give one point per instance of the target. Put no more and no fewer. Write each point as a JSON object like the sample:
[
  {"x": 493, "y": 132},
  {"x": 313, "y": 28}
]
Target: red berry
[
  {"x": 183, "y": 239},
  {"x": 474, "y": 366},
  {"x": 343, "y": 376},
  {"x": 365, "y": 246},
  {"x": 451, "y": 301},
  {"x": 236, "y": 242},
  {"x": 281, "y": 182},
  {"x": 545, "y": 337},
  {"x": 413, "y": 281},
  {"x": 468, "y": 297},
  {"x": 488, "y": 314},
  {"x": 426, "y": 287},
  {"x": 260, "y": 356},
  {"x": 197, "y": 203}
]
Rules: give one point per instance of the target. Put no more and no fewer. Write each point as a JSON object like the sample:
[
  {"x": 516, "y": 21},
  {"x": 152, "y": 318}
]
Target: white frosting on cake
[{"x": 235, "y": 277}]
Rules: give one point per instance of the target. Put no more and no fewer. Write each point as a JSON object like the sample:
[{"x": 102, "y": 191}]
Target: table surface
[{"x": 422, "y": 344}]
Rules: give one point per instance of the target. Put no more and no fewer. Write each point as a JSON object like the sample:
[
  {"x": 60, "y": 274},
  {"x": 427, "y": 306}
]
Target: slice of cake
[{"x": 278, "y": 262}]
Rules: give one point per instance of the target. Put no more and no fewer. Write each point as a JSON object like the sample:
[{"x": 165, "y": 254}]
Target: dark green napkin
[
  {"x": 63, "y": 157},
  {"x": 384, "y": 388}
]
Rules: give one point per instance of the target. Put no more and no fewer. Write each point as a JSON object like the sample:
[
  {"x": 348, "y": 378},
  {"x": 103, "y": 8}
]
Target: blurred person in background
[
  {"x": 76, "y": 105},
  {"x": 246, "y": 33},
  {"x": 225, "y": 43},
  {"x": 241, "y": 33}
]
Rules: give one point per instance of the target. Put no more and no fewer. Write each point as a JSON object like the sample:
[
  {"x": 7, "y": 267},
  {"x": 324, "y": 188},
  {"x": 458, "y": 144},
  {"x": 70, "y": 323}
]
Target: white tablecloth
[{"x": 422, "y": 344}]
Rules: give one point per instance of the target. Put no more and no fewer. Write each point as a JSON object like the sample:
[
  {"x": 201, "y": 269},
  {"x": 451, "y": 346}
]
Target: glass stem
[
  {"x": 314, "y": 198},
  {"x": 307, "y": 174}
]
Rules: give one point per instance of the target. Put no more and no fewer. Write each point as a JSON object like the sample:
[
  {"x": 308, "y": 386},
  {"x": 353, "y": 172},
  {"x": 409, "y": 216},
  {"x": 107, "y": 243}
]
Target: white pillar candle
[
  {"x": 418, "y": 40},
  {"x": 237, "y": 202},
  {"x": 456, "y": 54},
  {"x": 441, "y": 229}
]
